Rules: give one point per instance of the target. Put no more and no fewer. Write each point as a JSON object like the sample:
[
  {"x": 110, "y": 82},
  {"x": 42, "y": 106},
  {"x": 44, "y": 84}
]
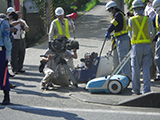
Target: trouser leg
[
  {"x": 153, "y": 67},
  {"x": 136, "y": 85},
  {"x": 21, "y": 55},
  {"x": 146, "y": 80},
  {"x": 123, "y": 47},
  {"x": 136, "y": 66},
  {"x": 48, "y": 77},
  {"x": 14, "y": 55},
  {"x": 6, "y": 99},
  {"x": 115, "y": 59},
  {"x": 157, "y": 57}
]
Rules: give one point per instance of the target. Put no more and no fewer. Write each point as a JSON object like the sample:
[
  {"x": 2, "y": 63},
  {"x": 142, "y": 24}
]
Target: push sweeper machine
[{"x": 113, "y": 83}]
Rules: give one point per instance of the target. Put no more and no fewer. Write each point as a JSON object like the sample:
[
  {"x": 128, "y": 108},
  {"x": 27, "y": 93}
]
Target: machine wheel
[{"x": 114, "y": 86}]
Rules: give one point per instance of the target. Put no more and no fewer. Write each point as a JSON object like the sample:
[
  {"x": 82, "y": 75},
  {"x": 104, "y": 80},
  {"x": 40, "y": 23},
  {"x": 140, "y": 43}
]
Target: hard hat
[
  {"x": 137, "y": 3},
  {"x": 110, "y": 4},
  {"x": 10, "y": 9},
  {"x": 156, "y": 5},
  {"x": 59, "y": 11}
]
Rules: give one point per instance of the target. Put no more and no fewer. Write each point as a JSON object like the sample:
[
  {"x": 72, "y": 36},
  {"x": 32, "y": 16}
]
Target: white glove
[{"x": 8, "y": 58}]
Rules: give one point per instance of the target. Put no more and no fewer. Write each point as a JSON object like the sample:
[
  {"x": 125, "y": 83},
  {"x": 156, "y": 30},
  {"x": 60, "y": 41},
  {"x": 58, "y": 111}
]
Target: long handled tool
[{"x": 102, "y": 46}]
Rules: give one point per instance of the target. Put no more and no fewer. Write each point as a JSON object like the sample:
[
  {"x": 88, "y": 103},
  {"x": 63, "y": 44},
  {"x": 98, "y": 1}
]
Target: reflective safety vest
[
  {"x": 140, "y": 30},
  {"x": 60, "y": 31},
  {"x": 156, "y": 21},
  {"x": 115, "y": 23}
]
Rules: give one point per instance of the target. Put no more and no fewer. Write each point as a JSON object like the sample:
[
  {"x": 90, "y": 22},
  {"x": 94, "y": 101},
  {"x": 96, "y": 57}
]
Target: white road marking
[{"x": 84, "y": 110}]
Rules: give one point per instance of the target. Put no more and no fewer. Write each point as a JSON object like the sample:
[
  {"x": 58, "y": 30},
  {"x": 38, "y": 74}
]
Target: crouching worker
[{"x": 54, "y": 57}]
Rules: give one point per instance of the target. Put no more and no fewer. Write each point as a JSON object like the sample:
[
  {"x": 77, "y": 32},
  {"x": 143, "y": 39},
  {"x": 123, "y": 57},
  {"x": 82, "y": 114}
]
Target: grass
[{"x": 89, "y": 5}]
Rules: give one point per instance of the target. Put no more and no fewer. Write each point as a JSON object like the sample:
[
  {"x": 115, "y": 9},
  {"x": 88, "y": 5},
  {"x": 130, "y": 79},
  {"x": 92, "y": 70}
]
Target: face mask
[{"x": 111, "y": 14}]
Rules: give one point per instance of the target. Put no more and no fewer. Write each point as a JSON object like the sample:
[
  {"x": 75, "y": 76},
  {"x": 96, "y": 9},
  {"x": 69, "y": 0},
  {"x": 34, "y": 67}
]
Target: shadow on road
[{"x": 44, "y": 112}]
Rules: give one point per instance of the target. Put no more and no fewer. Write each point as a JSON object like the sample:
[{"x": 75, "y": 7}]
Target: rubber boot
[
  {"x": 12, "y": 86},
  {"x": 6, "y": 99}
]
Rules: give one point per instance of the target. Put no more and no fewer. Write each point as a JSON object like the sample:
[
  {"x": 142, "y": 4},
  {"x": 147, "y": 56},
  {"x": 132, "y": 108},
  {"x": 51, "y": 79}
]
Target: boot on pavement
[
  {"x": 12, "y": 86},
  {"x": 6, "y": 100}
]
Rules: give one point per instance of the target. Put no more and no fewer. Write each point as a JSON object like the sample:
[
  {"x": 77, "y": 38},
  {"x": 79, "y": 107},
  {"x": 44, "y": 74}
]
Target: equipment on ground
[
  {"x": 113, "y": 83},
  {"x": 95, "y": 66}
]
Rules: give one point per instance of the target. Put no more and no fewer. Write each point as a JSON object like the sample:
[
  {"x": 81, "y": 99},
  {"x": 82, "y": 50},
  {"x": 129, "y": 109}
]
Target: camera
[
  {"x": 72, "y": 45},
  {"x": 61, "y": 44}
]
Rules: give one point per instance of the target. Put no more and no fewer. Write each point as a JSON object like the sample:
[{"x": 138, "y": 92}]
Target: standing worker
[
  {"x": 18, "y": 45},
  {"x": 141, "y": 31},
  {"x": 118, "y": 25},
  {"x": 156, "y": 23},
  {"x": 60, "y": 26},
  {"x": 5, "y": 55}
]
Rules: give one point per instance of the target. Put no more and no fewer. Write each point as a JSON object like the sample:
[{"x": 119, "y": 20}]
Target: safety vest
[
  {"x": 156, "y": 21},
  {"x": 60, "y": 31},
  {"x": 115, "y": 23},
  {"x": 140, "y": 30}
]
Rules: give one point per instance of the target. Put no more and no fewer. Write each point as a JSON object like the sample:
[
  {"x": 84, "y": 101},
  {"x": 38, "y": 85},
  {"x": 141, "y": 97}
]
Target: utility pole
[
  {"x": 120, "y": 4},
  {"x": 49, "y": 2}
]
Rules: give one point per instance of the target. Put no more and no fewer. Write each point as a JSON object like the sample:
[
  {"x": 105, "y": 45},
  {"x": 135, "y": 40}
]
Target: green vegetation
[
  {"x": 129, "y": 3},
  {"x": 69, "y": 6},
  {"x": 89, "y": 5}
]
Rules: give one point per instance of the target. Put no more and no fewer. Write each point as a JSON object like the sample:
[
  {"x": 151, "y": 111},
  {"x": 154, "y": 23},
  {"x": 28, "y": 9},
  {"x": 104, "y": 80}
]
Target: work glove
[
  {"x": 107, "y": 35},
  {"x": 8, "y": 58}
]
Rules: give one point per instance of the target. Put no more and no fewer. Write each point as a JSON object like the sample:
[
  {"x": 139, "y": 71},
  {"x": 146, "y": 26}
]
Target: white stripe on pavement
[{"x": 84, "y": 110}]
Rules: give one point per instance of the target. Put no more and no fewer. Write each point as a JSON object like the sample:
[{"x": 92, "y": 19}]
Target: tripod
[{"x": 63, "y": 62}]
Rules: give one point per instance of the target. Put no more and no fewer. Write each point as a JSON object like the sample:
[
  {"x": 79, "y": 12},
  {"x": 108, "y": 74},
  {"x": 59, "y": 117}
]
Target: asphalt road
[{"x": 28, "y": 102}]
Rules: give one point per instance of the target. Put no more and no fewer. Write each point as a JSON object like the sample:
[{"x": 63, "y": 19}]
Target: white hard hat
[
  {"x": 156, "y": 5},
  {"x": 59, "y": 11},
  {"x": 137, "y": 3},
  {"x": 10, "y": 9},
  {"x": 110, "y": 4}
]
